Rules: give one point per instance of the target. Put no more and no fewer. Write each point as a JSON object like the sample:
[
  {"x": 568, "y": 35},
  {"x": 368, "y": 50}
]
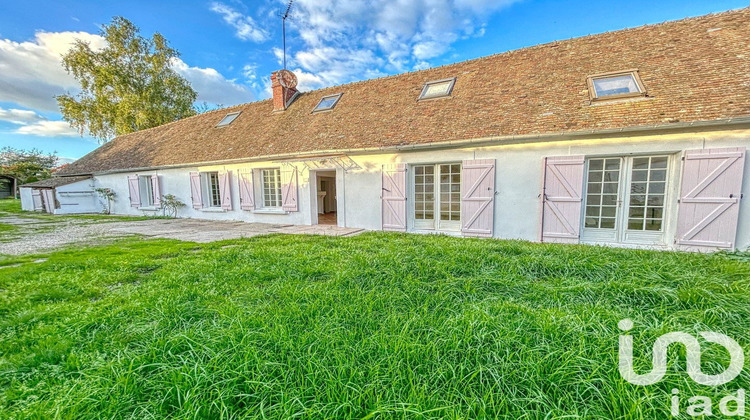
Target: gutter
[{"x": 732, "y": 123}]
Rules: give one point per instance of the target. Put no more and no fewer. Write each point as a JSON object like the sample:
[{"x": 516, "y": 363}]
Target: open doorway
[{"x": 326, "y": 197}]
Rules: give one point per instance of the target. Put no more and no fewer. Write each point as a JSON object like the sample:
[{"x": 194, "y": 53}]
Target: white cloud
[
  {"x": 48, "y": 129},
  {"x": 212, "y": 86},
  {"x": 32, "y": 73},
  {"x": 19, "y": 116},
  {"x": 244, "y": 26},
  {"x": 347, "y": 40}
]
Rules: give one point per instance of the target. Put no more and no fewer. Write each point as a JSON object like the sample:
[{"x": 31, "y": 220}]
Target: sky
[{"x": 230, "y": 47}]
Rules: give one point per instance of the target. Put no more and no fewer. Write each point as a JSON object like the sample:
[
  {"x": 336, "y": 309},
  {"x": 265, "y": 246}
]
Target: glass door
[
  {"x": 625, "y": 200},
  {"x": 437, "y": 197}
]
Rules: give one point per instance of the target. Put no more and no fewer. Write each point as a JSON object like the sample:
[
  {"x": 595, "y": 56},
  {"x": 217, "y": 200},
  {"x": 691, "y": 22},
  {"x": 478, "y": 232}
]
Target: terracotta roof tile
[{"x": 691, "y": 70}]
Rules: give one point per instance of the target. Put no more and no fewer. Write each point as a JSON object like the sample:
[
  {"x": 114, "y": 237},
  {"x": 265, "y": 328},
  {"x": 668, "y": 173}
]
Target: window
[
  {"x": 616, "y": 85},
  {"x": 211, "y": 189},
  {"x": 327, "y": 103},
  {"x": 647, "y": 189},
  {"x": 437, "y": 196},
  {"x": 228, "y": 119},
  {"x": 626, "y": 199},
  {"x": 147, "y": 190},
  {"x": 271, "y": 190},
  {"x": 602, "y": 192},
  {"x": 437, "y": 89}
]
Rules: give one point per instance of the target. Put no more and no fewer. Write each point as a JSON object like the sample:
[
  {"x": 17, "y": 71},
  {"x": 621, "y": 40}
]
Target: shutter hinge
[{"x": 682, "y": 158}]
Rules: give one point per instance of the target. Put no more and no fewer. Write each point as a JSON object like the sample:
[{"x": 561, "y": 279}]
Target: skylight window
[
  {"x": 228, "y": 119},
  {"x": 327, "y": 103},
  {"x": 616, "y": 85},
  {"x": 437, "y": 89}
]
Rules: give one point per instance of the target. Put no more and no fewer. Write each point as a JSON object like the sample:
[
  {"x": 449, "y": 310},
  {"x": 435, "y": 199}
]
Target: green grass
[
  {"x": 376, "y": 326},
  {"x": 10, "y": 205}
]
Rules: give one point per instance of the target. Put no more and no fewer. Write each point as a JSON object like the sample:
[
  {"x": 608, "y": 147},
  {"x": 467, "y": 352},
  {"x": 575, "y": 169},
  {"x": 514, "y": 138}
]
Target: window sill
[
  {"x": 149, "y": 208},
  {"x": 213, "y": 210},
  {"x": 270, "y": 211}
]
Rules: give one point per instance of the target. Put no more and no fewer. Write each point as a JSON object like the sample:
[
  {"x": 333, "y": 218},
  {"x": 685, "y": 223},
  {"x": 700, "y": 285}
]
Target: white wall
[
  {"x": 27, "y": 201},
  {"x": 518, "y": 181},
  {"x": 78, "y": 198}
]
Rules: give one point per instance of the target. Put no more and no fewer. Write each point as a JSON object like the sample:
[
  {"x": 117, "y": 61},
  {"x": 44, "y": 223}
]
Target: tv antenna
[{"x": 283, "y": 28}]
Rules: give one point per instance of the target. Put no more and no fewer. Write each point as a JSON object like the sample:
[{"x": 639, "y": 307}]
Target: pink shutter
[
  {"x": 289, "y": 192},
  {"x": 393, "y": 199},
  {"x": 247, "y": 201},
  {"x": 195, "y": 190},
  {"x": 562, "y": 196},
  {"x": 710, "y": 199},
  {"x": 225, "y": 193},
  {"x": 155, "y": 190},
  {"x": 49, "y": 200},
  {"x": 478, "y": 197},
  {"x": 135, "y": 191}
]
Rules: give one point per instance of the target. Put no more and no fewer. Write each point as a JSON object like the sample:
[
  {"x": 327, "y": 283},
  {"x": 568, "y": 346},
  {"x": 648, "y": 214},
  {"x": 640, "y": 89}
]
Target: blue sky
[{"x": 230, "y": 47}]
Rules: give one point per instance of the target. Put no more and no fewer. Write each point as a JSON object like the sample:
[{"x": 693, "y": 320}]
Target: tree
[
  {"x": 26, "y": 165},
  {"x": 128, "y": 85}
]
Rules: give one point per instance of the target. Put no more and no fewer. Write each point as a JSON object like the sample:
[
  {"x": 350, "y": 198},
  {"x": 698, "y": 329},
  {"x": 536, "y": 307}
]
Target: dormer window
[
  {"x": 228, "y": 119},
  {"x": 615, "y": 85},
  {"x": 437, "y": 89},
  {"x": 327, "y": 103}
]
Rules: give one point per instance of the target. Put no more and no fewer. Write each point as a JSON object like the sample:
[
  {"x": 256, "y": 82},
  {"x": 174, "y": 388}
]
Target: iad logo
[{"x": 700, "y": 405}]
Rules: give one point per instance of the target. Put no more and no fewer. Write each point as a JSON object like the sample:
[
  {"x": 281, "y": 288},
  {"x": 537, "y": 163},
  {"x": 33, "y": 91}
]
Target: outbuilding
[{"x": 61, "y": 195}]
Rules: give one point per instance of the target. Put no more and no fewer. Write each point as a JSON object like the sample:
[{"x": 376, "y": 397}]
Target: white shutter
[
  {"x": 247, "y": 200},
  {"x": 134, "y": 189},
  {"x": 195, "y": 190},
  {"x": 710, "y": 199},
  {"x": 477, "y": 202},
  {"x": 562, "y": 197},
  {"x": 155, "y": 190}
]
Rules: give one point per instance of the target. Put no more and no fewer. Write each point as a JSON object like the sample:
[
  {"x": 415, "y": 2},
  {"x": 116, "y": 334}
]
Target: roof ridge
[{"x": 444, "y": 66}]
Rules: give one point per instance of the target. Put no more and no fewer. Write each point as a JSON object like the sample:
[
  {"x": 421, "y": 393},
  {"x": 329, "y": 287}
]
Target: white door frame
[
  {"x": 313, "y": 184},
  {"x": 620, "y": 235},
  {"x": 436, "y": 226}
]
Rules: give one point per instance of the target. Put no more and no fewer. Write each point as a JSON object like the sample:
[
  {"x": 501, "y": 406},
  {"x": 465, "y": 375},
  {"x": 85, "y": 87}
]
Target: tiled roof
[
  {"x": 56, "y": 181},
  {"x": 696, "y": 69}
]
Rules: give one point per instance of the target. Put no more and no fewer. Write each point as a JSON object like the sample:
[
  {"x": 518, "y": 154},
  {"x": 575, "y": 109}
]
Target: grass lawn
[{"x": 378, "y": 325}]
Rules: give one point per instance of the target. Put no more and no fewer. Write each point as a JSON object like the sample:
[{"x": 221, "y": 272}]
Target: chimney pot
[{"x": 283, "y": 85}]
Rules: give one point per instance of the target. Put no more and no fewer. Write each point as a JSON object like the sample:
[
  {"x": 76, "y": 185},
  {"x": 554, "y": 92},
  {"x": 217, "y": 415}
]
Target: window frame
[
  {"x": 235, "y": 115},
  {"x": 632, "y": 72},
  {"x": 208, "y": 191},
  {"x": 423, "y": 95},
  {"x": 146, "y": 190},
  {"x": 262, "y": 178},
  {"x": 436, "y": 224},
  {"x": 317, "y": 108}
]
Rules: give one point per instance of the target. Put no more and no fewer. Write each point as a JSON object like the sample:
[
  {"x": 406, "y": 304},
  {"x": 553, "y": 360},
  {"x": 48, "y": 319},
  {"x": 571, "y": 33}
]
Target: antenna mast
[{"x": 283, "y": 28}]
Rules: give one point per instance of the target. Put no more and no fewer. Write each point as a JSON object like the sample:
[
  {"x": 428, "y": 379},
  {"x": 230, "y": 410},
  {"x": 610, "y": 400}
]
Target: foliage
[
  {"x": 128, "y": 85},
  {"x": 171, "y": 205},
  {"x": 26, "y": 165},
  {"x": 378, "y": 325},
  {"x": 204, "y": 107},
  {"x": 107, "y": 195}
]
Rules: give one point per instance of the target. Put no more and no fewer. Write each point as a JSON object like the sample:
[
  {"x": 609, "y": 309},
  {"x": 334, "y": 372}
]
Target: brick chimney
[{"x": 283, "y": 85}]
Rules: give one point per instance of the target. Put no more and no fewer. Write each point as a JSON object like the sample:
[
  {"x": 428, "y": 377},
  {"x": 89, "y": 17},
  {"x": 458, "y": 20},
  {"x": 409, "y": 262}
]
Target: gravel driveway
[{"x": 39, "y": 234}]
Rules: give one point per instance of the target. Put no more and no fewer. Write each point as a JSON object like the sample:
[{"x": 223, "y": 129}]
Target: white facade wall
[
  {"x": 518, "y": 181},
  {"x": 77, "y": 198}
]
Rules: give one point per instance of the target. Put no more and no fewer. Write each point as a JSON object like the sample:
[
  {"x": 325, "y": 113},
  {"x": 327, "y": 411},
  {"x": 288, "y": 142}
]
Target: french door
[
  {"x": 625, "y": 200},
  {"x": 437, "y": 197}
]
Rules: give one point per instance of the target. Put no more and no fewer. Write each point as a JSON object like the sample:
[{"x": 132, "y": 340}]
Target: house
[
  {"x": 631, "y": 138},
  {"x": 61, "y": 195}
]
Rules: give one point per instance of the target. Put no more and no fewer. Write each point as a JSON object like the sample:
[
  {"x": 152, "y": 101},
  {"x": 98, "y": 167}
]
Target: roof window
[
  {"x": 327, "y": 103},
  {"x": 437, "y": 89},
  {"x": 621, "y": 84},
  {"x": 228, "y": 119}
]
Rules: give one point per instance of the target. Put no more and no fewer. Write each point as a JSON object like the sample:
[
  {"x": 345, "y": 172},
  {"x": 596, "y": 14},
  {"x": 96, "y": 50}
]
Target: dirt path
[{"x": 36, "y": 234}]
